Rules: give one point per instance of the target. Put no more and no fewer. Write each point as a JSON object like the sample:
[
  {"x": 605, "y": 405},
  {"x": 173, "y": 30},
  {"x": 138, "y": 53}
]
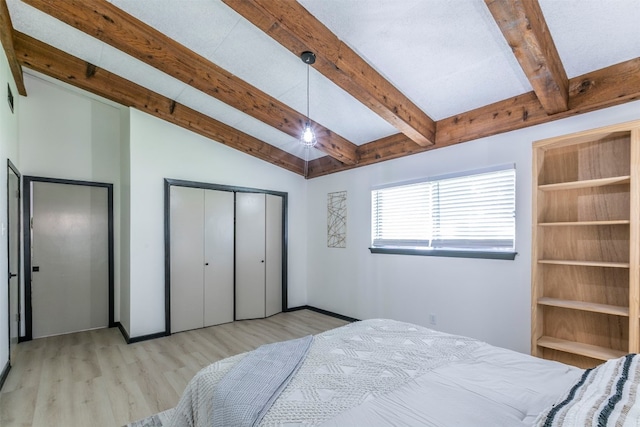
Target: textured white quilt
[{"x": 384, "y": 372}]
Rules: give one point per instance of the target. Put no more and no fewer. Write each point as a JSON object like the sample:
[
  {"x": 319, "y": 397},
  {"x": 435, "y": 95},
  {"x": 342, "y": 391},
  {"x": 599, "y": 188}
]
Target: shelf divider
[
  {"x": 585, "y": 306},
  {"x": 585, "y": 263},
  {"x": 588, "y": 183},
  {"x": 588, "y": 350},
  {"x": 584, "y": 223}
]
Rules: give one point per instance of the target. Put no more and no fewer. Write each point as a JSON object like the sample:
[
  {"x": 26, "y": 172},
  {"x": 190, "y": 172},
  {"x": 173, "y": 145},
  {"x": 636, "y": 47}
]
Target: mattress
[{"x": 385, "y": 372}]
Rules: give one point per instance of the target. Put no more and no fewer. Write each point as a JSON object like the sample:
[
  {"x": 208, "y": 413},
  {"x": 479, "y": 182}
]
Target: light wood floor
[{"x": 94, "y": 378}]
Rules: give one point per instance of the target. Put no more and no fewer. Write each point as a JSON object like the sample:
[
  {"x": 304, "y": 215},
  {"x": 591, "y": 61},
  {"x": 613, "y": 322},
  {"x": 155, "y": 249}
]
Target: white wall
[
  {"x": 67, "y": 135},
  {"x": 125, "y": 221},
  {"x": 8, "y": 150},
  {"x": 486, "y": 299},
  {"x": 161, "y": 150}
]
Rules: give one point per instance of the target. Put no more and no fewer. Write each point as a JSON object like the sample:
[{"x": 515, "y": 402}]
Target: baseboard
[
  {"x": 131, "y": 340},
  {"x": 5, "y": 373},
  {"x": 123, "y": 331},
  {"x": 325, "y": 312},
  {"x": 147, "y": 337}
]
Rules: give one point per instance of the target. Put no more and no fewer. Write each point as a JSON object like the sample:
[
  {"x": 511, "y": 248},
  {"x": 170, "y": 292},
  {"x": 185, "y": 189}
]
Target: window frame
[{"x": 448, "y": 252}]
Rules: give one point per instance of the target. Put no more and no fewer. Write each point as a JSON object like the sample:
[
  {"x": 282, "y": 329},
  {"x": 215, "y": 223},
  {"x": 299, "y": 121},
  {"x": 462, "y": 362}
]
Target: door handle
[
  {"x": 11, "y": 275},
  {"x": 35, "y": 268}
]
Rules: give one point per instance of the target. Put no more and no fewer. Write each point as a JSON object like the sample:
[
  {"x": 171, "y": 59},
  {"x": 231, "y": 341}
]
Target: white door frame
[
  {"x": 26, "y": 228},
  {"x": 167, "y": 237}
]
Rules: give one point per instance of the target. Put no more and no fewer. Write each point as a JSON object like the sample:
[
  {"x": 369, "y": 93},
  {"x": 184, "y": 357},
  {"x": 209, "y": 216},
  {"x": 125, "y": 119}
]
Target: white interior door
[
  {"x": 218, "y": 257},
  {"x": 273, "y": 303},
  {"x": 13, "y": 225},
  {"x": 250, "y": 256},
  {"x": 70, "y": 250},
  {"x": 187, "y": 258}
]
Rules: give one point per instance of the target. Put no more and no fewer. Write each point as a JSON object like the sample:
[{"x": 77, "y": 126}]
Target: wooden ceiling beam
[
  {"x": 117, "y": 28},
  {"x": 290, "y": 24},
  {"x": 599, "y": 89},
  {"x": 6, "y": 37},
  {"x": 55, "y": 63},
  {"x": 526, "y": 31},
  {"x": 387, "y": 148}
]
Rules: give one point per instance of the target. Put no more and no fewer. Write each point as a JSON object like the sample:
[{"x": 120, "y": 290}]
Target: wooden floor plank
[{"x": 95, "y": 378}]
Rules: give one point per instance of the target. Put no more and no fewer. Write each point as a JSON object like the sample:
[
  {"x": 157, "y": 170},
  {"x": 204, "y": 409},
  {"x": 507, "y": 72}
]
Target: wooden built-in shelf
[
  {"x": 585, "y": 306},
  {"x": 584, "y": 223},
  {"x": 589, "y": 183},
  {"x": 585, "y": 263},
  {"x": 588, "y": 350},
  {"x": 586, "y": 246}
]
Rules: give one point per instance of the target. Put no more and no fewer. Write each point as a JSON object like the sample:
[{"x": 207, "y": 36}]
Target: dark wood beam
[
  {"x": 290, "y": 24},
  {"x": 113, "y": 26},
  {"x": 6, "y": 37},
  {"x": 55, "y": 63},
  {"x": 599, "y": 89},
  {"x": 524, "y": 27}
]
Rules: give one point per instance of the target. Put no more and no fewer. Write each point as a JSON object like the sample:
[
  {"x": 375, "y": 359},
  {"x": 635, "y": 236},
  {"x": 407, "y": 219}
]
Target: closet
[
  {"x": 201, "y": 258},
  {"x": 225, "y": 255},
  {"x": 258, "y": 255}
]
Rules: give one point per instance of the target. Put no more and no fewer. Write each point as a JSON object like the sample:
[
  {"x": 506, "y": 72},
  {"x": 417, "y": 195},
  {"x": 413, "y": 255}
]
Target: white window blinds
[{"x": 470, "y": 212}]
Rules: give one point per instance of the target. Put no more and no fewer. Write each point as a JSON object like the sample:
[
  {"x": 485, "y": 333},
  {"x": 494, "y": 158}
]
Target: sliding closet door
[
  {"x": 218, "y": 257},
  {"x": 187, "y": 258},
  {"x": 273, "y": 245},
  {"x": 250, "y": 255}
]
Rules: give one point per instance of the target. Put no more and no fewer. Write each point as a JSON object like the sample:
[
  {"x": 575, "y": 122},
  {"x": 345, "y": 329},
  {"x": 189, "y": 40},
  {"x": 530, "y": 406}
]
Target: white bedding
[
  {"x": 494, "y": 387},
  {"x": 384, "y": 372}
]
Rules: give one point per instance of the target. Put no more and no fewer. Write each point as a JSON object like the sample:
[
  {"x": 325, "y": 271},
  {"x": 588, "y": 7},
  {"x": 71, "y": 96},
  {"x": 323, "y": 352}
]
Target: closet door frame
[
  {"x": 168, "y": 183},
  {"x": 26, "y": 237}
]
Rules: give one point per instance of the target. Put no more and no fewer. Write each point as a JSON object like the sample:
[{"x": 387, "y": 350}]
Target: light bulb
[{"x": 308, "y": 137}]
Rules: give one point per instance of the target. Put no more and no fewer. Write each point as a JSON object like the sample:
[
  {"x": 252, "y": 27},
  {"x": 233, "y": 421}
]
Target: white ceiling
[{"x": 448, "y": 57}]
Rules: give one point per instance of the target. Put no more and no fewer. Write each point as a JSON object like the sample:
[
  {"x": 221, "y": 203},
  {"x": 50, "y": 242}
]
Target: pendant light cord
[
  {"x": 307, "y": 148},
  {"x": 308, "y": 119}
]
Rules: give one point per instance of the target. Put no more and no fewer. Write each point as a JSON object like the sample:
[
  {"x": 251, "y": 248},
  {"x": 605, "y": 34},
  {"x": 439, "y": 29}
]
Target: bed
[{"x": 383, "y": 372}]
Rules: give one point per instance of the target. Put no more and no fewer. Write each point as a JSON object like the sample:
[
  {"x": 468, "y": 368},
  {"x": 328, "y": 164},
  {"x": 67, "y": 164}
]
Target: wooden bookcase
[{"x": 585, "y": 301}]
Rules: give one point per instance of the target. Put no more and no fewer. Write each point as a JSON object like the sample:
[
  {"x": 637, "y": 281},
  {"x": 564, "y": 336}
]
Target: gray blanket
[{"x": 245, "y": 394}]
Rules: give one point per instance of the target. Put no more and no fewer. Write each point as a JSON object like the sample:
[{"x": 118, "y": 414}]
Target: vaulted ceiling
[{"x": 392, "y": 78}]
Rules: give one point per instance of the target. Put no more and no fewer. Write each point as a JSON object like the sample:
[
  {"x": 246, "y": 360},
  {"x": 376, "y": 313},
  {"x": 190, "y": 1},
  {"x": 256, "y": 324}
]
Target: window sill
[{"x": 446, "y": 253}]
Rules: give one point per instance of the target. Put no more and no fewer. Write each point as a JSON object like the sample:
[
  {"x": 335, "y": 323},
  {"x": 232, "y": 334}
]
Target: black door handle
[
  {"x": 11, "y": 275},
  {"x": 35, "y": 268}
]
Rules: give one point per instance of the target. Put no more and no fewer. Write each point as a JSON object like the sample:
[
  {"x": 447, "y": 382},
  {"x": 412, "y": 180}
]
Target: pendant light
[{"x": 308, "y": 137}]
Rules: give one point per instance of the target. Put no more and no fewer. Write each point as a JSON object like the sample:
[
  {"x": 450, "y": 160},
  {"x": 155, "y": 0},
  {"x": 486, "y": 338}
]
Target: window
[{"x": 470, "y": 215}]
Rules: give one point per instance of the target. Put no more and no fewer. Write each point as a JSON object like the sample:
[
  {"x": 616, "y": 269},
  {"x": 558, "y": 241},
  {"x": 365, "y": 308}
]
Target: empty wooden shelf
[{"x": 586, "y": 245}]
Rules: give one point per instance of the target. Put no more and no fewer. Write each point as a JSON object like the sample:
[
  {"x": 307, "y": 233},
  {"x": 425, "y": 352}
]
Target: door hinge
[
  {"x": 18, "y": 194},
  {"x": 31, "y": 222}
]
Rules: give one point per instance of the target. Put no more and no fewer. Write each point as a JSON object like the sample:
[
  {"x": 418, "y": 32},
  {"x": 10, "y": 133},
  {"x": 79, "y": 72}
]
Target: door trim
[
  {"x": 13, "y": 169},
  {"x": 168, "y": 183},
  {"x": 26, "y": 229}
]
